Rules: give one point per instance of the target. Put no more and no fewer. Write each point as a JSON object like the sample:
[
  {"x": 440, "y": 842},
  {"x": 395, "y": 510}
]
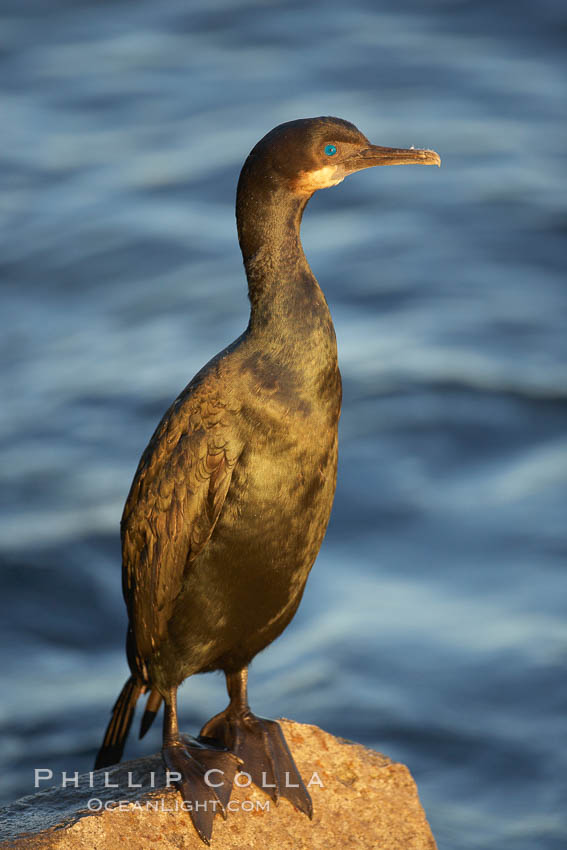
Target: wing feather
[{"x": 174, "y": 504}]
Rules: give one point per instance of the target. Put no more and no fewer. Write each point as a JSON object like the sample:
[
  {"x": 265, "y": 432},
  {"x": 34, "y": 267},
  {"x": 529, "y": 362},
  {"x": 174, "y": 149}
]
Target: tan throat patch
[{"x": 308, "y": 182}]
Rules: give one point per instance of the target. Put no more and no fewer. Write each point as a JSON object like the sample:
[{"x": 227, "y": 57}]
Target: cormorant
[{"x": 232, "y": 496}]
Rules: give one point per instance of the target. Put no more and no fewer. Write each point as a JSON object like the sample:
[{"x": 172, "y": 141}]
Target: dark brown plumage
[{"x": 232, "y": 496}]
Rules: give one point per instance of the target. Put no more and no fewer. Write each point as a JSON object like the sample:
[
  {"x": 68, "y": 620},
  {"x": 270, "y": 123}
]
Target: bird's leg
[
  {"x": 203, "y": 773},
  {"x": 260, "y": 745}
]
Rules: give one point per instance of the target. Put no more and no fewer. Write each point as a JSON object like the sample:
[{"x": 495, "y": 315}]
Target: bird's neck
[
  {"x": 281, "y": 286},
  {"x": 290, "y": 321}
]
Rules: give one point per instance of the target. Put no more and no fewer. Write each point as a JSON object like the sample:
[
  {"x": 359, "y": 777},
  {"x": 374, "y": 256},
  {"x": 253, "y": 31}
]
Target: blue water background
[{"x": 433, "y": 626}]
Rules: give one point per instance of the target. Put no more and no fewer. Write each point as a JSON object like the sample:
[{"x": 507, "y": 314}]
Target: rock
[{"x": 361, "y": 799}]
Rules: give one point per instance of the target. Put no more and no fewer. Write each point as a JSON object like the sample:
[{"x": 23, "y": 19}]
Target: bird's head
[{"x": 315, "y": 153}]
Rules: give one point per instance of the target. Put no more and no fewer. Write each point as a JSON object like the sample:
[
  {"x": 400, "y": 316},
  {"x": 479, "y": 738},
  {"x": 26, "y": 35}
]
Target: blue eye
[{"x": 330, "y": 150}]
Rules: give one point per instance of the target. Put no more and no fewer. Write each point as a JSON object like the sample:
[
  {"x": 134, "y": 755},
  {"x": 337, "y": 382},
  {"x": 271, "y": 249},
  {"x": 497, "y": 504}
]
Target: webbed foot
[
  {"x": 204, "y": 774},
  {"x": 260, "y": 745}
]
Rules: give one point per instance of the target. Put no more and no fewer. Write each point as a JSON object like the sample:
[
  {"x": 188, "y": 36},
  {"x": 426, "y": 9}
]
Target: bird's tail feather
[
  {"x": 119, "y": 726},
  {"x": 152, "y": 708}
]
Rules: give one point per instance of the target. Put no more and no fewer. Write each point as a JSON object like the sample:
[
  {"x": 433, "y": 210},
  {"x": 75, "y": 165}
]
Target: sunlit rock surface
[{"x": 360, "y": 798}]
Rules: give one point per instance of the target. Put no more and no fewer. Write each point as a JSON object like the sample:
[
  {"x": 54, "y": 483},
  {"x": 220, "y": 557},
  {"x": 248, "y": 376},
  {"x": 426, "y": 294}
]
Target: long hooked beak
[{"x": 377, "y": 155}]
